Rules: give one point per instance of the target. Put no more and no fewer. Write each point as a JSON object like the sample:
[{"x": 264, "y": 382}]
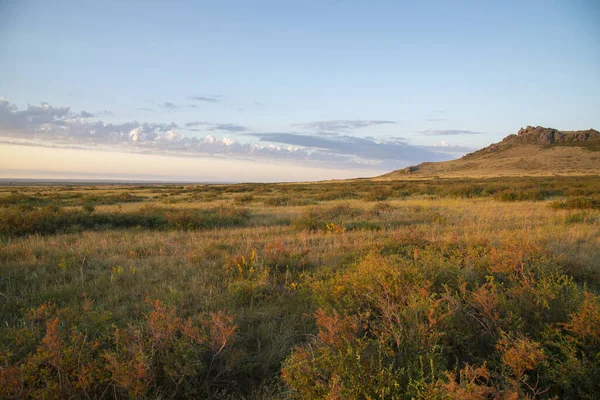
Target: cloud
[
  {"x": 46, "y": 125},
  {"x": 436, "y": 119},
  {"x": 209, "y": 126},
  {"x": 33, "y": 115},
  {"x": 229, "y": 127},
  {"x": 167, "y": 105},
  {"x": 337, "y": 126},
  {"x": 396, "y": 139},
  {"x": 365, "y": 148},
  {"x": 206, "y": 99},
  {"x": 170, "y": 106},
  {"x": 448, "y": 132},
  {"x": 85, "y": 114},
  {"x": 59, "y": 123},
  {"x": 193, "y": 124}
]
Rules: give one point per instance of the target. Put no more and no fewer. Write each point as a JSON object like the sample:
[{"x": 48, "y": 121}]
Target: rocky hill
[{"x": 533, "y": 151}]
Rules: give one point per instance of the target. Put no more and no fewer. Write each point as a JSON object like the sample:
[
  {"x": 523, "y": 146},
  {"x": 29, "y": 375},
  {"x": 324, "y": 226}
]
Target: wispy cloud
[
  {"x": 448, "y": 132},
  {"x": 436, "y": 119},
  {"x": 167, "y": 105},
  {"x": 339, "y": 126},
  {"x": 193, "y": 124},
  {"x": 86, "y": 114},
  {"x": 229, "y": 128},
  {"x": 209, "y": 126},
  {"x": 206, "y": 99}
]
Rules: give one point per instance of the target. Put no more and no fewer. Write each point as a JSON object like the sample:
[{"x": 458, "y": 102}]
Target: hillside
[{"x": 533, "y": 151}]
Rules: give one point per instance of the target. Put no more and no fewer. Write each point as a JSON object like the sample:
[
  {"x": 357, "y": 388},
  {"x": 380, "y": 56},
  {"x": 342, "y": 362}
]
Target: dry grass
[
  {"x": 526, "y": 160},
  {"x": 409, "y": 278}
]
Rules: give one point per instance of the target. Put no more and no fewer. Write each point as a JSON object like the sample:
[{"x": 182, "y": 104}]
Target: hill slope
[{"x": 533, "y": 151}]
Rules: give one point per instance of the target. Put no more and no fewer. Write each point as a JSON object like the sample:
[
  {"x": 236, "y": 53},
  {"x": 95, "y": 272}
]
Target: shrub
[
  {"x": 577, "y": 203},
  {"x": 112, "y": 199},
  {"x": 163, "y": 356},
  {"x": 89, "y": 208},
  {"x": 48, "y": 220},
  {"x": 406, "y": 336},
  {"x": 335, "y": 194},
  {"x": 244, "y": 199},
  {"x": 277, "y": 201},
  {"x": 317, "y": 218},
  {"x": 16, "y": 198},
  {"x": 379, "y": 193}
]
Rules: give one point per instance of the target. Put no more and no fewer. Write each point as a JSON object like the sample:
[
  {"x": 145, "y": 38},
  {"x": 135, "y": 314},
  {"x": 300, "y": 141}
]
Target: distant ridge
[{"x": 533, "y": 151}]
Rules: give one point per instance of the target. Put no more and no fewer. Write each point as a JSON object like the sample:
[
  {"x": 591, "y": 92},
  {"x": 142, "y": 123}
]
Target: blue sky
[{"x": 332, "y": 88}]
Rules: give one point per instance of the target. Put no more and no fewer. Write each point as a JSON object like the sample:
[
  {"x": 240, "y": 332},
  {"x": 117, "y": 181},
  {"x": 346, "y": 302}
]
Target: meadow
[{"x": 366, "y": 289}]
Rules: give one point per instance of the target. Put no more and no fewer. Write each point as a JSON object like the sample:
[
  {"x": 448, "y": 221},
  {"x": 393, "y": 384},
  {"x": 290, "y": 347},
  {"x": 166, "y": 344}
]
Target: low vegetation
[
  {"x": 432, "y": 289},
  {"x": 48, "y": 220}
]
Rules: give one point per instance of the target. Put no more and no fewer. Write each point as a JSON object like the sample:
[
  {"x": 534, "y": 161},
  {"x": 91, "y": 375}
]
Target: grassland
[{"x": 462, "y": 288}]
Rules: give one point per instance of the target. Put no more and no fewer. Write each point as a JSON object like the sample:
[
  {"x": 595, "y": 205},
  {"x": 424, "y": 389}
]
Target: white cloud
[
  {"x": 229, "y": 142},
  {"x": 134, "y": 134},
  {"x": 45, "y": 125}
]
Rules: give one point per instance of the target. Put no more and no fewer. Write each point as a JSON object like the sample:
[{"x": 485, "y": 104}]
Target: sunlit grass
[{"x": 351, "y": 297}]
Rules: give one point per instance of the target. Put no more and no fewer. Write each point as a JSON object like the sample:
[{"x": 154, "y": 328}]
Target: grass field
[{"x": 449, "y": 289}]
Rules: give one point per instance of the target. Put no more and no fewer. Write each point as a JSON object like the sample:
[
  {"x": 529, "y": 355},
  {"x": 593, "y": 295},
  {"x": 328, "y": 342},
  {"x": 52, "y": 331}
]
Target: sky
[{"x": 235, "y": 91}]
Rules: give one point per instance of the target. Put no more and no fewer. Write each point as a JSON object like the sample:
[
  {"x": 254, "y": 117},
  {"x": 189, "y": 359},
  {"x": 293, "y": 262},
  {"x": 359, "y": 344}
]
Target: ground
[{"x": 464, "y": 288}]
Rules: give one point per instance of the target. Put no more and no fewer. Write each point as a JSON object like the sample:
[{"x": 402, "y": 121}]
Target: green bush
[
  {"x": 14, "y": 222},
  {"x": 379, "y": 193},
  {"x": 277, "y": 201},
  {"x": 577, "y": 203},
  {"x": 244, "y": 199}
]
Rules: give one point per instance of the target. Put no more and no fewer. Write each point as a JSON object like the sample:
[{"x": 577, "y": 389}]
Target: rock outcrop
[
  {"x": 550, "y": 136},
  {"x": 540, "y": 136}
]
